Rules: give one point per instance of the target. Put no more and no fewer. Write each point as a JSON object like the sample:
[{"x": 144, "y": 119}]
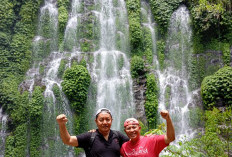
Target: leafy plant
[
  {"x": 216, "y": 90},
  {"x": 137, "y": 66},
  {"x": 151, "y": 104},
  {"x": 75, "y": 86}
]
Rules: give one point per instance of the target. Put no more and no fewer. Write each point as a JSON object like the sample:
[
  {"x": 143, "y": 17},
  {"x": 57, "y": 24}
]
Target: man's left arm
[{"x": 170, "y": 133}]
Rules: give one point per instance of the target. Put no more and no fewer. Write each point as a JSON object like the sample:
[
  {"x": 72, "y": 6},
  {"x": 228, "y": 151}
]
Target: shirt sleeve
[
  {"x": 160, "y": 143},
  {"x": 123, "y": 138},
  {"x": 84, "y": 140}
]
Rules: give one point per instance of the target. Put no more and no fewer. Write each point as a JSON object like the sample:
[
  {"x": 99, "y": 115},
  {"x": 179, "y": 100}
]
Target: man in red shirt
[{"x": 146, "y": 146}]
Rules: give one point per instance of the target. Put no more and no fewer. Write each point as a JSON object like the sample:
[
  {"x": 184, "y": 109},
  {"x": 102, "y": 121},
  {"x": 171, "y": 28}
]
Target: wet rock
[{"x": 139, "y": 89}]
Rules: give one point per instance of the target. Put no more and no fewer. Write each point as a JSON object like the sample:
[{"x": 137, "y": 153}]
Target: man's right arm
[
  {"x": 65, "y": 136},
  {"x": 123, "y": 138}
]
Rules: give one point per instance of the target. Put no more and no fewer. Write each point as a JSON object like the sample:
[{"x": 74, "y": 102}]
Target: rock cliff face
[{"x": 139, "y": 89}]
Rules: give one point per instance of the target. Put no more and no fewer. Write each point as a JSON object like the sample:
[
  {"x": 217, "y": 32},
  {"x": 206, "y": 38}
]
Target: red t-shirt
[{"x": 147, "y": 146}]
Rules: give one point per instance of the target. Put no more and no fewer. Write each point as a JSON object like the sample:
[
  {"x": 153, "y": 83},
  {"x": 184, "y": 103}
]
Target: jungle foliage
[
  {"x": 216, "y": 90},
  {"x": 215, "y": 141},
  {"x": 151, "y": 105},
  {"x": 137, "y": 66},
  {"x": 75, "y": 86}
]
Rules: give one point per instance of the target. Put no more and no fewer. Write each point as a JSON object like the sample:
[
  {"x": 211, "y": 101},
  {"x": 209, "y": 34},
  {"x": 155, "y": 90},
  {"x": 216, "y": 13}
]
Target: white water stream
[
  {"x": 3, "y": 133},
  {"x": 173, "y": 79}
]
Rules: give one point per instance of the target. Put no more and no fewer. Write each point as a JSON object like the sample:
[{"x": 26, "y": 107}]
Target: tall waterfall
[
  {"x": 173, "y": 79},
  {"x": 111, "y": 67},
  {"x": 46, "y": 57},
  {"x": 3, "y": 128},
  {"x": 174, "y": 92}
]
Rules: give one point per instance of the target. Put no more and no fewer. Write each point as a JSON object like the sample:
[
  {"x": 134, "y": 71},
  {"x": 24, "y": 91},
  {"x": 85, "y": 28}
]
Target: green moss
[
  {"x": 7, "y": 16},
  {"x": 137, "y": 66},
  {"x": 195, "y": 116},
  {"x": 75, "y": 86},
  {"x": 36, "y": 109},
  {"x": 41, "y": 69},
  {"x": 88, "y": 30},
  {"x": 135, "y": 29},
  {"x": 151, "y": 104},
  {"x": 147, "y": 45},
  {"x": 160, "y": 53},
  {"x": 63, "y": 7},
  {"x": 162, "y": 11},
  {"x": 61, "y": 68},
  {"x": 167, "y": 96}
]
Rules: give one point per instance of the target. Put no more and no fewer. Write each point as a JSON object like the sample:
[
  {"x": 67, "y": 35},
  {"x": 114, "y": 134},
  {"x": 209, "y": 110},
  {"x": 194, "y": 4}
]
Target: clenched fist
[
  {"x": 164, "y": 114},
  {"x": 61, "y": 119}
]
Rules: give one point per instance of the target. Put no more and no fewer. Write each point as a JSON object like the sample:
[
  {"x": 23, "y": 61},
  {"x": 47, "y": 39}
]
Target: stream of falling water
[
  {"x": 109, "y": 70},
  {"x": 173, "y": 79},
  {"x": 3, "y": 133},
  {"x": 111, "y": 67}
]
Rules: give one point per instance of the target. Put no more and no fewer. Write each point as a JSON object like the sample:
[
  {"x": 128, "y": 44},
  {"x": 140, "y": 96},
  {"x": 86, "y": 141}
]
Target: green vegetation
[
  {"x": 216, "y": 90},
  {"x": 61, "y": 69},
  {"x": 63, "y": 8},
  {"x": 35, "y": 113},
  {"x": 212, "y": 19},
  {"x": 135, "y": 29},
  {"x": 75, "y": 86},
  {"x": 88, "y": 31},
  {"x": 162, "y": 11},
  {"x": 16, "y": 143},
  {"x": 214, "y": 142},
  {"x": 151, "y": 105},
  {"x": 137, "y": 66},
  {"x": 160, "y": 53},
  {"x": 147, "y": 45}
]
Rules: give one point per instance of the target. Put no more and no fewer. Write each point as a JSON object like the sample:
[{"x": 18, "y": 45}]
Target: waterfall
[
  {"x": 46, "y": 57},
  {"x": 174, "y": 92},
  {"x": 173, "y": 79},
  {"x": 109, "y": 70},
  {"x": 149, "y": 23},
  {"x": 3, "y": 128},
  {"x": 111, "y": 67}
]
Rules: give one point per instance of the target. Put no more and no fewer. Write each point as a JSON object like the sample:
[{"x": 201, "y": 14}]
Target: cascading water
[
  {"x": 111, "y": 66},
  {"x": 149, "y": 23},
  {"x": 173, "y": 79},
  {"x": 109, "y": 70},
  {"x": 174, "y": 92},
  {"x": 45, "y": 57},
  {"x": 3, "y": 128}
]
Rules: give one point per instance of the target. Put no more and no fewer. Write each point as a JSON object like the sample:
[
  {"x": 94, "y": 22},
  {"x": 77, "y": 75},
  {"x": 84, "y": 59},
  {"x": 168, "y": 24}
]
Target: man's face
[
  {"x": 104, "y": 122},
  {"x": 133, "y": 131}
]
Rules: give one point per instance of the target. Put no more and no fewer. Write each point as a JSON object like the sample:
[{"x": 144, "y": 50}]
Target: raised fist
[
  {"x": 61, "y": 119},
  {"x": 164, "y": 114}
]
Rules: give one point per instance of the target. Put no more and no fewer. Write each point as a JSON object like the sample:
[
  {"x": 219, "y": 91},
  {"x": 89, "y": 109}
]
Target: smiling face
[
  {"x": 133, "y": 131},
  {"x": 104, "y": 122}
]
